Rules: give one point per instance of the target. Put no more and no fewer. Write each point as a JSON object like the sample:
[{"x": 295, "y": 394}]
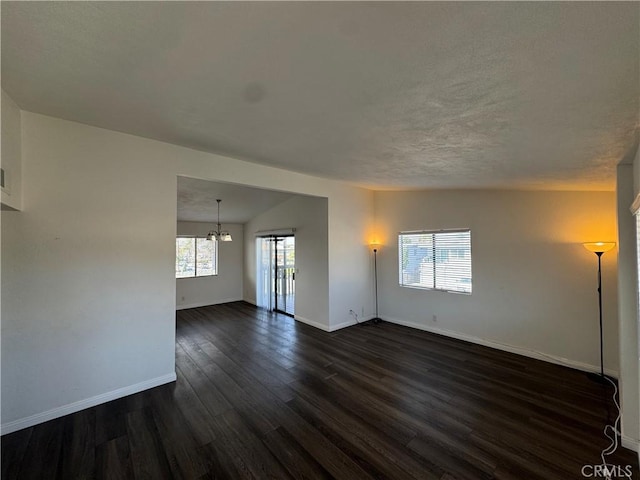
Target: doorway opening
[{"x": 276, "y": 285}]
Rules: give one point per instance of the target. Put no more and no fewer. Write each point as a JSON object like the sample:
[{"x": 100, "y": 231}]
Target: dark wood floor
[{"x": 262, "y": 396}]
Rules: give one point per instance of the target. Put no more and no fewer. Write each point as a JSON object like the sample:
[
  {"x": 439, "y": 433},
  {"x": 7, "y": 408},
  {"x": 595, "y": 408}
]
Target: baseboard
[
  {"x": 349, "y": 323},
  {"x": 631, "y": 444},
  {"x": 321, "y": 326},
  {"x": 505, "y": 347},
  {"x": 332, "y": 328},
  {"x": 208, "y": 303},
  {"x": 82, "y": 404}
]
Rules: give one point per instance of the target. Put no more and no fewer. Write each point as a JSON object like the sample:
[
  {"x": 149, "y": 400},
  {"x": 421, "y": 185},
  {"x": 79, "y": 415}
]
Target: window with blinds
[{"x": 436, "y": 260}]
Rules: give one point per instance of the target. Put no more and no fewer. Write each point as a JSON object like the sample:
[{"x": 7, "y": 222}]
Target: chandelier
[{"x": 218, "y": 234}]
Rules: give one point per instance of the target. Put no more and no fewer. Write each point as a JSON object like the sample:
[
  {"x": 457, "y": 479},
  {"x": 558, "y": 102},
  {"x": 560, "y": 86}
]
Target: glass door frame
[{"x": 274, "y": 269}]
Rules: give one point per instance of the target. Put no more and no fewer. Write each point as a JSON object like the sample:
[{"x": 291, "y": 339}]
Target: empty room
[{"x": 341, "y": 240}]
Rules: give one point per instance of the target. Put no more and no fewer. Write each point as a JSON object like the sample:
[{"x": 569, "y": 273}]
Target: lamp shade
[
  {"x": 599, "y": 247},
  {"x": 375, "y": 245}
]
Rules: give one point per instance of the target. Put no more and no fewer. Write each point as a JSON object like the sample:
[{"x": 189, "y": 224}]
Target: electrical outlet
[
  {"x": 435, "y": 318},
  {"x": 182, "y": 299}
]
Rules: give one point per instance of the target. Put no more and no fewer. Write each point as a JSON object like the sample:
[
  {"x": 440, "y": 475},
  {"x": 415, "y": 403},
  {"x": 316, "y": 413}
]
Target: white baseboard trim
[
  {"x": 332, "y": 328},
  {"x": 32, "y": 420},
  {"x": 505, "y": 347},
  {"x": 631, "y": 444},
  {"x": 348, "y": 323},
  {"x": 207, "y": 303},
  {"x": 319, "y": 325}
]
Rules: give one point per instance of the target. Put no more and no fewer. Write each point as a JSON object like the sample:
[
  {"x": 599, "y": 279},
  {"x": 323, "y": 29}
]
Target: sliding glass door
[{"x": 275, "y": 286}]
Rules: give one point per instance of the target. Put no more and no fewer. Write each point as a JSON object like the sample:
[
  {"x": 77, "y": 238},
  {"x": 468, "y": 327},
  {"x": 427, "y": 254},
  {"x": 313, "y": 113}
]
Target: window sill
[
  {"x": 417, "y": 287},
  {"x": 199, "y": 276}
]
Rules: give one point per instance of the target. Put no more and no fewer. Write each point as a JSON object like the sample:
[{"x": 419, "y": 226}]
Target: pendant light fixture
[{"x": 218, "y": 234}]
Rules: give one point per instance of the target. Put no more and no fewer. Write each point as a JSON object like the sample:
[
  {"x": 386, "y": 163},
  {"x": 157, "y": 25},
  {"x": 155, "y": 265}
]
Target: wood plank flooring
[{"x": 262, "y": 396}]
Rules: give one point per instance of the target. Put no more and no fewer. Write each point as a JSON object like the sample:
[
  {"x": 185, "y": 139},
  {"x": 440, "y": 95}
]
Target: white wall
[
  {"x": 636, "y": 191},
  {"x": 628, "y": 307},
  {"x": 88, "y": 273},
  {"x": 630, "y": 355},
  {"x": 636, "y": 173},
  {"x": 224, "y": 287},
  {"x": 534, "y": 285},
  {"x": 309, "y": 216},
  {"x": 351, "y": 227},
  {"x": 11, "y": 153},
  {"x": 88, "y": 308}
]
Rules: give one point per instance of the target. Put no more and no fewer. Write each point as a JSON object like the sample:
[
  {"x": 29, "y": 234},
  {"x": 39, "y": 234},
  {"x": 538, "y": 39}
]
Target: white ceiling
[
  {"x": 197, "y": 201},
  {"x": 385, "y": 95}
]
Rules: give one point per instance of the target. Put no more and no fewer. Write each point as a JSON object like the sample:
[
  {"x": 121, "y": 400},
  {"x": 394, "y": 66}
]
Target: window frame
[
  {"x": 195, "y": 238},
  {"x": 401, "y": 271}
]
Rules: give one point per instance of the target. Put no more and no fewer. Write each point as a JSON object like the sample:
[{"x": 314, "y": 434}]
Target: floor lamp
[
  {"x": 599, "y": 248},
  {"x": 375, "y": 247}
]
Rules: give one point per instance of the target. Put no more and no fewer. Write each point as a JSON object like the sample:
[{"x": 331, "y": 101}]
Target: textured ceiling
[
  {"x": 385, "y": 95},
  {"x": 197, "y": 201}
]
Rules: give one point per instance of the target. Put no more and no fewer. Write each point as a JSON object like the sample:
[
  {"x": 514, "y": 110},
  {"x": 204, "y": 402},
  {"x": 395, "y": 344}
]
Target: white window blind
[
  {"x": 436, "y": 260},
  {"x": 196, "y": 257}
]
